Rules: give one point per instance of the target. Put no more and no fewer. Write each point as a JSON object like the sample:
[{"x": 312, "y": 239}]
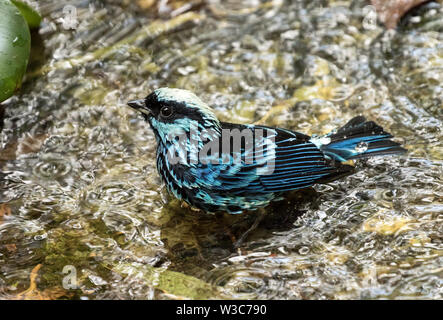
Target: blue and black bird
[{"x": 228, "y": 184}]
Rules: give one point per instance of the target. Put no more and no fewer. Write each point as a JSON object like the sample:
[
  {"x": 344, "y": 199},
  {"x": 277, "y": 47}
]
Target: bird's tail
[{"x": 359, "y": 139}]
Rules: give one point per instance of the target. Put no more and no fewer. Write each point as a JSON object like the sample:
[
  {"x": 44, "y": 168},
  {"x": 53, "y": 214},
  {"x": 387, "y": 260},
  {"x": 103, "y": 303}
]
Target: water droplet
[{"x": 361, "y": 147}]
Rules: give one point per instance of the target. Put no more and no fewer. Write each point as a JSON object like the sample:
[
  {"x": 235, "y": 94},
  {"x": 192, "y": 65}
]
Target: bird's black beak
[
  {"x": 137, "y": 104},
  {"x": 140, "y": 106}
]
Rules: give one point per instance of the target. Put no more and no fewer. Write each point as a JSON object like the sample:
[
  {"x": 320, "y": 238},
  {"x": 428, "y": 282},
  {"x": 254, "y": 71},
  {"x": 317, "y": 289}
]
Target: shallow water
[{"x": 80, "y": 196}]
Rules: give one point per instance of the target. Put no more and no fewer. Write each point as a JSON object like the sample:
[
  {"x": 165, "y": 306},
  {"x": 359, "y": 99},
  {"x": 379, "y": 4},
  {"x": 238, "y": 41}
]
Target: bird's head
[{"x": 171, "y": 111}]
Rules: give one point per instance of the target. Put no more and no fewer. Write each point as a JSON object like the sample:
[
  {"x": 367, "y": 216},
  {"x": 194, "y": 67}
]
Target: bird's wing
[
  {"x": 298, "y": 163},
  {"x": 280, "y": 160}
]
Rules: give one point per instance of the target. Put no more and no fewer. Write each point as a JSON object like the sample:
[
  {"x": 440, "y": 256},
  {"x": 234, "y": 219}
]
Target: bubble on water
[
  {"x": 74, "y": 224},
  {"x": 361, "y": 147},
  {"x": 244, "y": 283},
  {"x": 40, "y": 236},
  {"x": 52, "y": 168},
  {"x": 303, "y": 250},
  {"x": 114, "y": 192}
]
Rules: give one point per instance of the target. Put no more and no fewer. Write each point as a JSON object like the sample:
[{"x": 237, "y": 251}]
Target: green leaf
[
  {"x": 31, "y": 16},
  {"x": 15, "y": 46}
]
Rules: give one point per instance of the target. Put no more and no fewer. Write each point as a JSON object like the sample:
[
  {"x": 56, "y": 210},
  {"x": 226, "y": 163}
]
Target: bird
[{"x": 252, "y": 175}]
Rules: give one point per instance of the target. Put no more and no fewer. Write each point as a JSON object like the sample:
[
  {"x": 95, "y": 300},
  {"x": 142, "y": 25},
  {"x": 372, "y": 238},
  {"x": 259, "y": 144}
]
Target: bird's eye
[{"x": 166, "y": 111}]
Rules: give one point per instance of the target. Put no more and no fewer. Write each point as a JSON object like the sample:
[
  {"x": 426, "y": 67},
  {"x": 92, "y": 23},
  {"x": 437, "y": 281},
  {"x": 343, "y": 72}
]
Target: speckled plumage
[{"x": 225, "y": 184}]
